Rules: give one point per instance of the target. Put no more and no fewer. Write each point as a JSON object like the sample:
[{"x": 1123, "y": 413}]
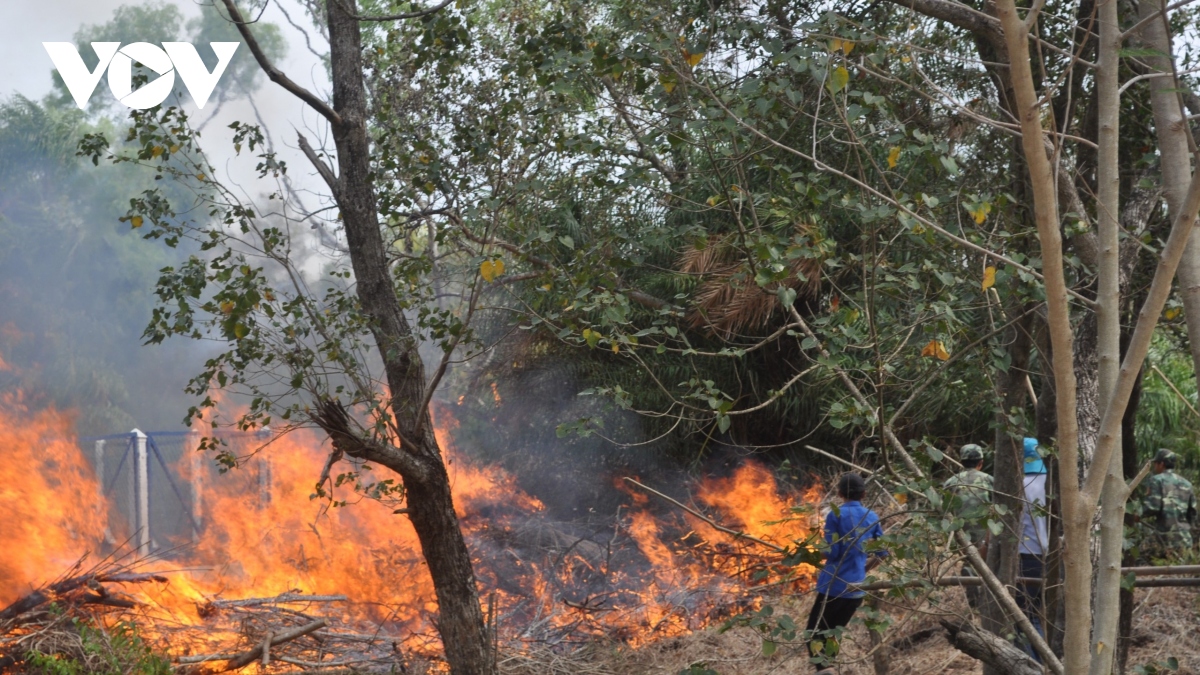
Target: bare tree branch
[
  {"x": 333, "y": 419},
  {"x": 322, "y": 168},
  {"x": 646, "y": 153},
  {"x": 397, "y": 17},
  {"x": 958, "y": 14},
  {"x": 277, "y": 76}
]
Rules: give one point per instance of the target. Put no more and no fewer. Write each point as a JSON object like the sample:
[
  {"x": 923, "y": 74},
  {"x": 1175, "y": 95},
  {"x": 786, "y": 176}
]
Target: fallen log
[
  {"x": 284, "y": 599},
  {"x": 991, "y": 649},
  {"x": 238, "y": 661}
]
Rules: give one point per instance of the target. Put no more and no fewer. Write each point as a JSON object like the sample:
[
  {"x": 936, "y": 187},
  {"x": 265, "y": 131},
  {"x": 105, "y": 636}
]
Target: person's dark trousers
[
  {"x": 1029, "y": 599},
  {"x": 829, "y": 613}
]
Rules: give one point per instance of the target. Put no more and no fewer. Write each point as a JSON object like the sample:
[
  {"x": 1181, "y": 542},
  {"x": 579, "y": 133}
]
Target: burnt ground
[{"x": 1165, "y": 625}]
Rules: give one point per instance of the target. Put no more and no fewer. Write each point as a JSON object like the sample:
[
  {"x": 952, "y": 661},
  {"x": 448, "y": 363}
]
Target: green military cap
[
  {"x": 1165, "y": 456},
  {"x": 970, "y": 453}
]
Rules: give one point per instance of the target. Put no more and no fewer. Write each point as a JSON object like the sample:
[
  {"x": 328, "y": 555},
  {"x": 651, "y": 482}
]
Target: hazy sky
[{"x": 25, "y": 68}]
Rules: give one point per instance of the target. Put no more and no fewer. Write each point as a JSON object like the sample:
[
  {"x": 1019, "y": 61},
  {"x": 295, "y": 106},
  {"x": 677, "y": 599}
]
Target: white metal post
[
  {"x": 100, "y": 473},
  {"x": 196, "y": 466},
  {"x": 131, "y": 494},
  {"x": 142, "y": 490},
  {"x": 264, "y": 470}
]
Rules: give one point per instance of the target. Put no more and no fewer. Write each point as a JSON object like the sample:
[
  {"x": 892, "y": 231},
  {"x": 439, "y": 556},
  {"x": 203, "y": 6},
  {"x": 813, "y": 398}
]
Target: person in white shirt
[{"x": 1034, "y": 538}]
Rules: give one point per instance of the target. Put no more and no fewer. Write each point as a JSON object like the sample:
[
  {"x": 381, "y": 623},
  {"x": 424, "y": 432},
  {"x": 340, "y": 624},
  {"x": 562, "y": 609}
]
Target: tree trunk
[
  {"x": 1108, "y": 320},
  {"x": 426, "y": 483},
  {"x": 1047, "y": 428},
  {"x": 1076, "y": 520},
  {"x": 1008, "y": 469},
  {"x": 1172, "y": 131},
  {"x": 1088, "y": 406},
  {"x": 880, "y": 657},
  {"x": 1129, "y": 467}
]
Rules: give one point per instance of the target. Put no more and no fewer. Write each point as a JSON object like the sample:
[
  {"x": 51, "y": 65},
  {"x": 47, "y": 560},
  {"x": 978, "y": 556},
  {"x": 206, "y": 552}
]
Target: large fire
[{"x": 656, "y": 572}]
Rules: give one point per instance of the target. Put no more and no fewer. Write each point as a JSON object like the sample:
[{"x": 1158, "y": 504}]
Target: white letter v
[
  {"x": 199, "y": 81},
  {"x": 73, "y": 70}
]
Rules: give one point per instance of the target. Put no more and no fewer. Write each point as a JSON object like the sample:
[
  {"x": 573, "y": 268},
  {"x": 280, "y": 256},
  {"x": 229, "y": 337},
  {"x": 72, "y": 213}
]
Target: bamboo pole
[{"x": 1028, "y": 581}]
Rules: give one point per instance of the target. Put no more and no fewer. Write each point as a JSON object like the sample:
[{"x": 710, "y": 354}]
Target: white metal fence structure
[{"x": 148, "y": 481}]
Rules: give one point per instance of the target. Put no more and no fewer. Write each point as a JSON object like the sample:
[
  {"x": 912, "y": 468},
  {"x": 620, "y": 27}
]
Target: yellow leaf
[
  {"x": 936, "y": 349},
  {"x": 200, "y": 176},
  {"x": 692, "y": 59},
  {"x": 591, "y": 336},
  {"x": 616, "y": 348},
  {"x": 838, "y": 79},
  {"x": 490, "y": 269},
  {"x": 136, "y": 222},
  {"x": 156, "y": 151},
  {"x": 901, "y": 497},
  {"x": 980, "y": 213},
  {"x": 989, "y": 277},
  {"x": 667, "y": 82},
  {"x": 840, "y": 45},
  {"x": 893, "y": 157},
  {"x": 239, "y": 331},
  {"x": 227, "y": 307},
  {"x": 1171, "y": 313}
]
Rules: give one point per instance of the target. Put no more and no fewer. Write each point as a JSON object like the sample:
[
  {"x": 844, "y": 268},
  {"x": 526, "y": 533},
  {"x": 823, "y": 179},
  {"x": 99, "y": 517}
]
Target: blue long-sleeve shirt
[{"x": 847, "y": 531}]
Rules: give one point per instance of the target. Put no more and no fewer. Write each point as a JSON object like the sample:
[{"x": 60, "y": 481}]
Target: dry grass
[
  {"x": 1165, "y": 625},
  {"x": 1166, "y": 622}
]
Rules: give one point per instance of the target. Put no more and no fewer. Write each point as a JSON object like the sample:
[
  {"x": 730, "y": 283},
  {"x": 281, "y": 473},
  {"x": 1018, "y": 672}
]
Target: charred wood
[{"x": 991, "y": 649}]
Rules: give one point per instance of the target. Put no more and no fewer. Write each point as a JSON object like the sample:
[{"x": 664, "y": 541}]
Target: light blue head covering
[{"x": 1033, "y": 459}]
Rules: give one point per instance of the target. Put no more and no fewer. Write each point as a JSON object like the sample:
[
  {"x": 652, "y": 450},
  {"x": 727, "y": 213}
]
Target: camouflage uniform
[
  {"x": 972, "y": 490},
  {"x": 1169, "y": 509}
]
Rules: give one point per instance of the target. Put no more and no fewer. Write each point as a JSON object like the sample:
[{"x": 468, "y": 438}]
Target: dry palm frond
[{"x": 730, "y": 301}]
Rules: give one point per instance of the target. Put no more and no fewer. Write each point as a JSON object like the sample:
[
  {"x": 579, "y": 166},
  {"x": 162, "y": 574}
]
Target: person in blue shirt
[{"x": 848, "y": 529}]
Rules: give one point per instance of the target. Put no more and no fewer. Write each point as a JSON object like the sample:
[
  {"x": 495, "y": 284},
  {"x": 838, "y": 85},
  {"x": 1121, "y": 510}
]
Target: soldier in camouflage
[
  {"x": 971, "y": 489},
  {"x": 1169, "y": 509}
]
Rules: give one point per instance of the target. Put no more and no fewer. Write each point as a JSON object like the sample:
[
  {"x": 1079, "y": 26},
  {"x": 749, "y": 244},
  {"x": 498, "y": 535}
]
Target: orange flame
[
  {"x": 262, "y": 534},
  {"x": 49, "y": 498}
]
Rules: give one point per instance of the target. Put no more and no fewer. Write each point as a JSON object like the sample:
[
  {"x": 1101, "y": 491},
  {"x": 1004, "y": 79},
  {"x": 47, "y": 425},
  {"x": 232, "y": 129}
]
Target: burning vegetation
[{"x": 275, "y": 577}]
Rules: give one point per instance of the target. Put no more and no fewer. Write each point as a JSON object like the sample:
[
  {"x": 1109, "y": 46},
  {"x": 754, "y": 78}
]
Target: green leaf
[
  {"x": 768, "y": 647},
  {"x": 1127, "y": 581},
  {"x": 787, "y": 296}
]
